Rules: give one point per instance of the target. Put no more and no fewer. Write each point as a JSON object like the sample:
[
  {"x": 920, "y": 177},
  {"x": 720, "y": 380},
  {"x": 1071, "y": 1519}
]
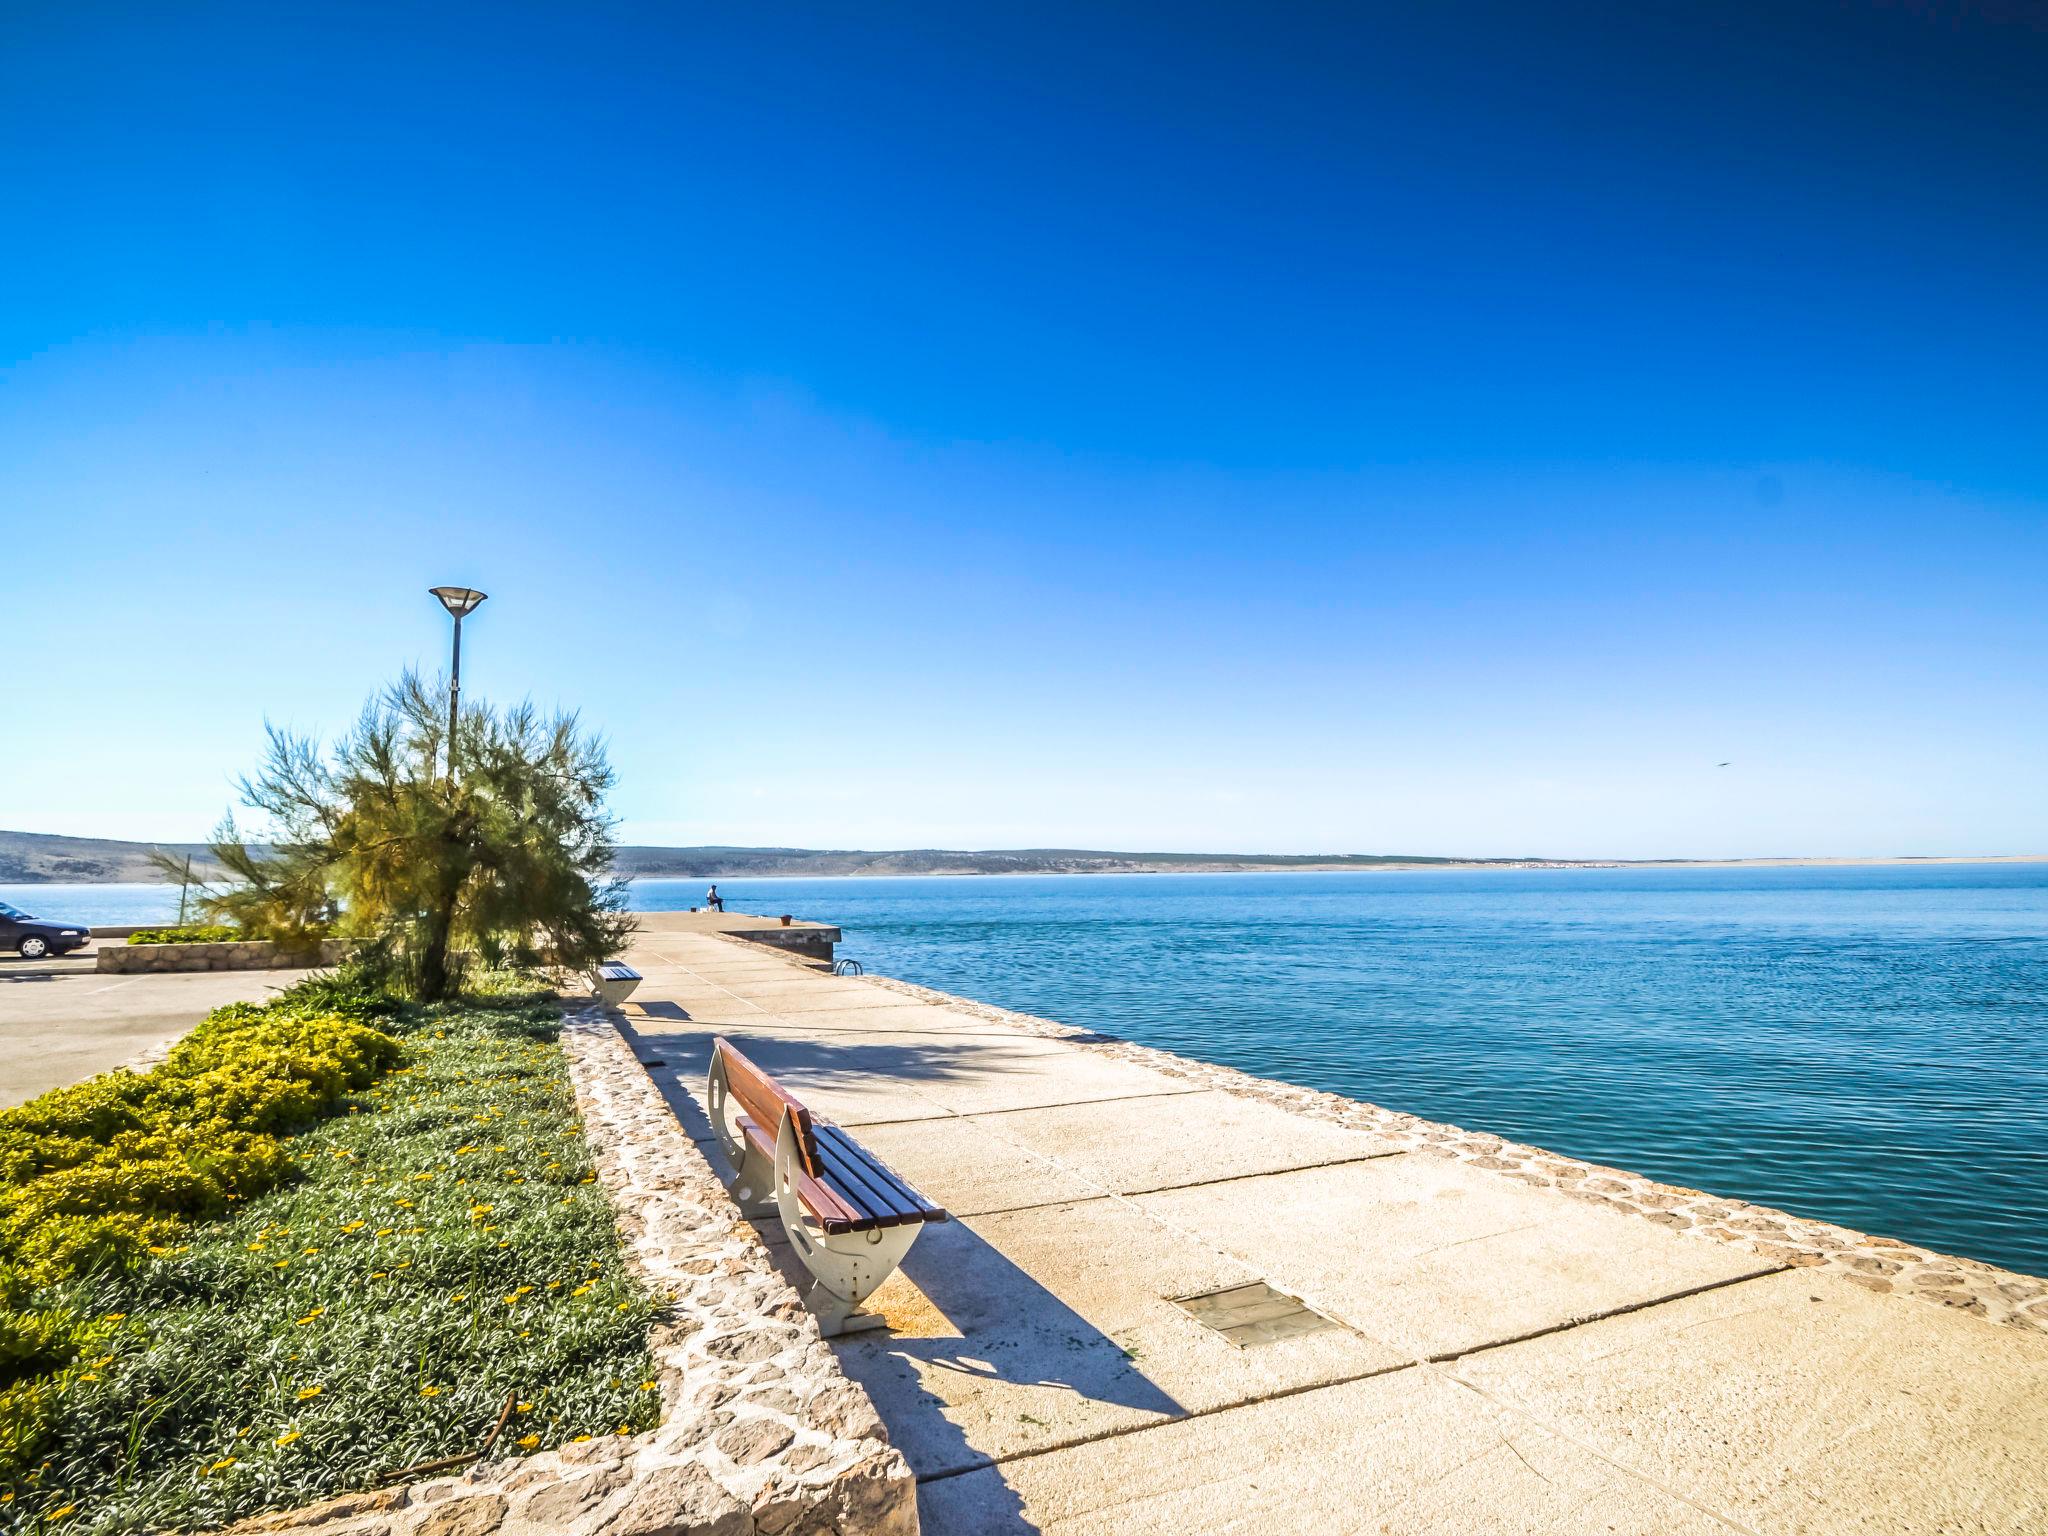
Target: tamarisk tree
[{"x": 503, "y": 854}]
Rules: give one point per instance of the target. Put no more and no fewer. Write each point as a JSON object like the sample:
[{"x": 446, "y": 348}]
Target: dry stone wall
[
  {"x": 235, "y": 955},
  {"x": 762, "y": 1434}
]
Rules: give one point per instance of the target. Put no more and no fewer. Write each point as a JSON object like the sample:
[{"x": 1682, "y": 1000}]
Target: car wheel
[{"x": 34, "y": 947}]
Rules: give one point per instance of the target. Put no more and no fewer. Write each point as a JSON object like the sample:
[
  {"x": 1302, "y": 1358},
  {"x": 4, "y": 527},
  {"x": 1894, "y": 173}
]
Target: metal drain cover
[{"x": 1253, "y": 1314}]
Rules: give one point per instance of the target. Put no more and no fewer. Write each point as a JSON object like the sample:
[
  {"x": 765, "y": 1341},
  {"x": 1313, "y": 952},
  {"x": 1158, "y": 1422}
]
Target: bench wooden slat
[
  {"x": 839, "y": 1182},
  {"x": 851, "y": 1179},
  {"x": 834, "y": 1213},
  {"x": 764, "y": 1100},
  {"x": 832, "y": 1141}
]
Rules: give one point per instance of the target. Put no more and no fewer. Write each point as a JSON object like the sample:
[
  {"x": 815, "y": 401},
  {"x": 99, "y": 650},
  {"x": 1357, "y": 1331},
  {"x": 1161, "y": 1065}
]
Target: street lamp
[{"x": 460, "y": 602}]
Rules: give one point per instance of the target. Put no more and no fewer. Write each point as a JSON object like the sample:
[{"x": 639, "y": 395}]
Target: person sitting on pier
[{"x": 713, "y": 900}]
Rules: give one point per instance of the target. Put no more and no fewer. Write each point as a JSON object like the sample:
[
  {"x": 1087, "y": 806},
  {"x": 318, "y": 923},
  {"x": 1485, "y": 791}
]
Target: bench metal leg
[
  {"x": 752, "y": 1185},
  {"x": 847, "y": 1266}
]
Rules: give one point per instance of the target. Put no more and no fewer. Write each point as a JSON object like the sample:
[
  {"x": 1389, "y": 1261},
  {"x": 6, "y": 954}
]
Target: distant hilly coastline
[{"x": 34, "y": 858}]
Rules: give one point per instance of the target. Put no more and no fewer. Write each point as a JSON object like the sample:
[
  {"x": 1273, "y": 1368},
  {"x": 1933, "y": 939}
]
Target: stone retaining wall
[
  {"x": 1881, "y": 1264},
  {"x": 762, "y": 1434},
  {"x": 236, "y": 955}
]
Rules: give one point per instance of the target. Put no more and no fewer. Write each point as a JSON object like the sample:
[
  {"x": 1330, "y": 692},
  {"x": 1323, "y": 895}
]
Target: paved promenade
[
  {"x": 1478, "y": 1355},
  {"x": 62, "y": 1022}
]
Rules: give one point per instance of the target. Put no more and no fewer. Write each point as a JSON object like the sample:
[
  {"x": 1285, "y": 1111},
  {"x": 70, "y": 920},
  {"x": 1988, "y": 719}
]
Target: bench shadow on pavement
[{"x": 975, "y": 1314}]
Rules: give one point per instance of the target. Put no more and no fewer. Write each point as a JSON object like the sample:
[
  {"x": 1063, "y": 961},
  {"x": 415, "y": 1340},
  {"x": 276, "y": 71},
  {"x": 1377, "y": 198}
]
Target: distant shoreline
[
  {"x": 35, "y": 859},
  {"x": 1365, "y": 869}
]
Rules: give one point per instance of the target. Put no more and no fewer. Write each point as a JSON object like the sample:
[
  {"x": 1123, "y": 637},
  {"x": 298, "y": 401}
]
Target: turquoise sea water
[{"x": 1868, "y": 1045}]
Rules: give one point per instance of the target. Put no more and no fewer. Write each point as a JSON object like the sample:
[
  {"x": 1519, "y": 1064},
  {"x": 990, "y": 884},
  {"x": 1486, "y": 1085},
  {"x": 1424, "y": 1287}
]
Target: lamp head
[{"x": 458, "y": 600}]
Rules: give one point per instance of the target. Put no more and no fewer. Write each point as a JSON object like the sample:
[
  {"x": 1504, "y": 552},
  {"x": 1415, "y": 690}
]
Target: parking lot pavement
[{"x": 62, "y": 1021}]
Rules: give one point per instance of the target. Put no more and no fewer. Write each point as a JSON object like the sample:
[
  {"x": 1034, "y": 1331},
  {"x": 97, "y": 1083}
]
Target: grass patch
[
  {"x": 436, "y": 1245},
  {"x": 191, "y": 933}
]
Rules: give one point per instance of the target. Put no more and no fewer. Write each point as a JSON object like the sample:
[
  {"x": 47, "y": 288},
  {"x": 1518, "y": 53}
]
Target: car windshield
[{"x": 14, "y": 912}]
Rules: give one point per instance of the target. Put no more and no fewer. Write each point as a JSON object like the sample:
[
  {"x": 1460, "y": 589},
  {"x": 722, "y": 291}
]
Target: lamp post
[{"x": 460, "y": 602}]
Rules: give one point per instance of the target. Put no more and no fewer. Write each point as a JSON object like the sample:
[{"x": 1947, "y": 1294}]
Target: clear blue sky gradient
[{"x": 1450, "y": 429}]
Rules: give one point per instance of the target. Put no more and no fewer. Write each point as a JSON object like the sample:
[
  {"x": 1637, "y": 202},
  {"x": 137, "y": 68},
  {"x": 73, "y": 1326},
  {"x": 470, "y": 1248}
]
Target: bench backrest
[{"x": 764, "y": 1101}]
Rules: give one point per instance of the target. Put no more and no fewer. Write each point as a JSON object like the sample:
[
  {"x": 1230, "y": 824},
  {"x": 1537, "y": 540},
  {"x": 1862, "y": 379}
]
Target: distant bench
[
  {"x": 849, "y": 1217},
  {"x": 615, "y": 982}
]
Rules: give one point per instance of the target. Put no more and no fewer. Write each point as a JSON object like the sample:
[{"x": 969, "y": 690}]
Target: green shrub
[{"x": 191, "y": 933}]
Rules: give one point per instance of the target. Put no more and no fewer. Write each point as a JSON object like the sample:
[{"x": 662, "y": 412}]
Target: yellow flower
[
  {"x": 649, "y": 1386},
  {"x": 313, "y": 1391},
  {"x": 114, "y": 1317},
  {"x": 220, "y": 1466},
  {"x": 625, "y": 1306},
  {"x": 581, "y": 1438},
  {"x": 585, "y": 1286},
  {"x": 58, "y": 1514},
  {"x": 430, "y": 1391},
  {"x": 302, "y": 1321},
  {"x": 288, "y": 1437},
  {"x": 479, "y": 1212},
  {"x": 528, "y": 1442},
  {"x": 312, "y": 1250},
  {"x": 526, "y": 1408},
  {"x": 406, "y": 1203},
  {"x": 282, "y": 1264},
  {"x": 386, "y": 1231},
  {"x": 459, "y": 1296},
  {"x": 354, "y": 1226}
]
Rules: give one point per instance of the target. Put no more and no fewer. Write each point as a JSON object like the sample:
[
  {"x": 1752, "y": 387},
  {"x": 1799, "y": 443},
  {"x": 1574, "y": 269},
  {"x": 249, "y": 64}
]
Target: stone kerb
[
  {"x": 236, "y": 955},
  {"x": 762, "y": 1434}
]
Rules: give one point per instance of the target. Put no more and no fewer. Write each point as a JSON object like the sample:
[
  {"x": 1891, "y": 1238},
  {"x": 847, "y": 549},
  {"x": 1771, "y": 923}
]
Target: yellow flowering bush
[
  {"x": 284, "y": 1310},
  {"x": 104, "y": 1173}
]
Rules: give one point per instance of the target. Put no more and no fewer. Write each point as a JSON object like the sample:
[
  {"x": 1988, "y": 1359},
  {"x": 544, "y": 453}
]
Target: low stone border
[
  {"x": 762, "y": 1434},
  {"x": 233, "y": 955},
  {"x": 1881, "y": 1264}
]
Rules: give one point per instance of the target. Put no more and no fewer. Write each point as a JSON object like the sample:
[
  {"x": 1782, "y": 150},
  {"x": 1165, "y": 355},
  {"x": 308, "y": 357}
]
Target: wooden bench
[
  {"x": 849, "y": 1216},
  {"x": 614, "y": 982}
]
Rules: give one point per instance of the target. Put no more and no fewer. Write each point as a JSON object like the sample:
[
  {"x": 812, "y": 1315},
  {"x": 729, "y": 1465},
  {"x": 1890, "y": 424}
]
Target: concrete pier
[{"x": 1398, "y": 1341}]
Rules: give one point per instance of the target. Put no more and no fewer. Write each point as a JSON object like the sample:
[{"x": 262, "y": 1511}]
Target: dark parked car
[{"x": 36, "y": 938}]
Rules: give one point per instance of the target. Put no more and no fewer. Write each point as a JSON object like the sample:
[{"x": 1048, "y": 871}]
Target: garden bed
[{"x": 314, "y": 1251}]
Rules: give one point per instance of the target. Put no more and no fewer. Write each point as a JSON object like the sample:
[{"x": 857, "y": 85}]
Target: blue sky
[{"x": 1177, "y": 428}]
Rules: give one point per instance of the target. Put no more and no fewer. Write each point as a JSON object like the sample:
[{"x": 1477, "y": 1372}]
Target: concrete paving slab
[
  {"x": 1801, "y": 1402},
  {"x": 1163, "y": 1143},
  {"x": 851, "y": 1083},
  {"x": 1407, "y": 1454},
  {"x": 1441, "y": 1257},
  {"x": 911, "y": 1019},
  {"x": 1020, "y": 1332},
  {"x": 1026, "y": 1078},
  {"x": 957, "y": 1163},
  {"x": 847, "y": 998}
]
